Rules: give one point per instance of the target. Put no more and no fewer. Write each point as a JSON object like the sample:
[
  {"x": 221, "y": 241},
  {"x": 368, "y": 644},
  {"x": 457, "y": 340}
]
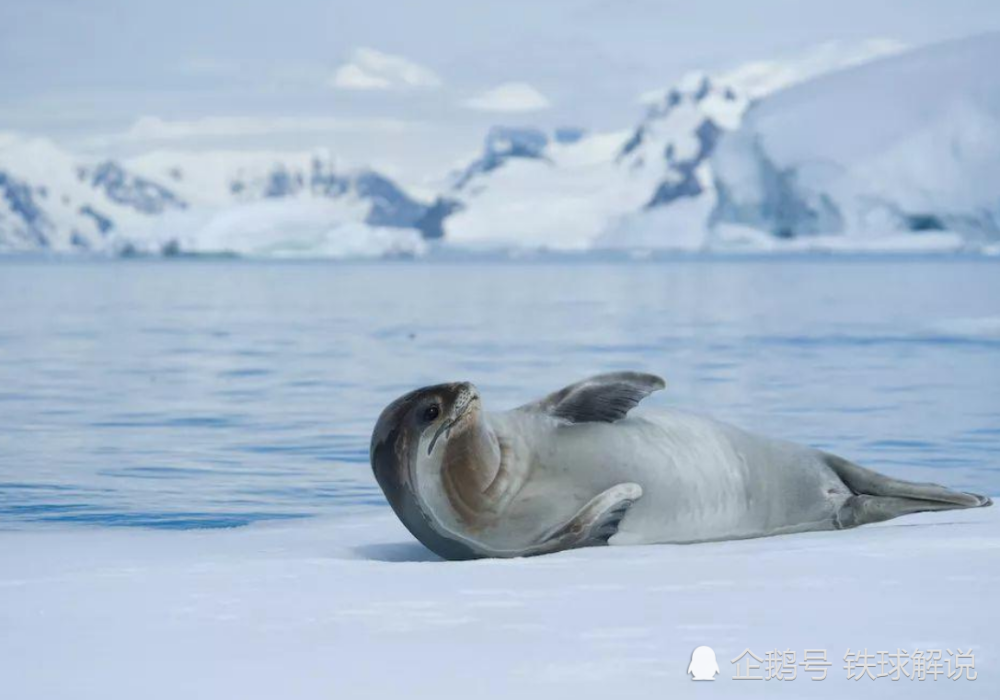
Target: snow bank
[{"x": 354, "y": 608}]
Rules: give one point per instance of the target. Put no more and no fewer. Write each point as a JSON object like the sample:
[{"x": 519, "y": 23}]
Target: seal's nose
[
  {"x": 465, "y": 396},
  {"x": 465, "y": 390}
]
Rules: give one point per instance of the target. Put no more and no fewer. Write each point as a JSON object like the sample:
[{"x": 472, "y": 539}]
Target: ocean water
[{"x": 197, "y": 393}]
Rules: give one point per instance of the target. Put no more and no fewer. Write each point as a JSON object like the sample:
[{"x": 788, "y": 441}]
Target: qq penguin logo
[{"x": 703, "y": 666}]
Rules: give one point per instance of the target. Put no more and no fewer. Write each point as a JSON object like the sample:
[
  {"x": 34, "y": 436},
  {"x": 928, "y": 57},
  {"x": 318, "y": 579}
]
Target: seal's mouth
[
  {"x": 445, "y": 427},
  {"x": 466, "y": 401}
]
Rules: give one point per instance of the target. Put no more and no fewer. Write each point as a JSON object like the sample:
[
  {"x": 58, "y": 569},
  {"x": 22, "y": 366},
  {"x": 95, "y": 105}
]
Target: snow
[
  {"x": 679, "y": 227},
  {"x": 353, "y": 607},
  {"x": 51, "y": 174},
  {"x": 279, "y": 228},
  {"x": 653, "y": 187},
  {"x": 562, "y": 201},
  {"x": 904, "y": 143},
  {"x": 847, "y": 147},
  {"x": 737, "y": 238},
  {"x": 596, "y": 193},
  {"x": 204, "y": 177},
  {"x": 263, "y": 203}
]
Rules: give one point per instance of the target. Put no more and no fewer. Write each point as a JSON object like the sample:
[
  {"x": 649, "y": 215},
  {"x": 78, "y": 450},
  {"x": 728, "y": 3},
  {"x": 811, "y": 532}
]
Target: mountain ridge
[{"x": 723, "y": 161}]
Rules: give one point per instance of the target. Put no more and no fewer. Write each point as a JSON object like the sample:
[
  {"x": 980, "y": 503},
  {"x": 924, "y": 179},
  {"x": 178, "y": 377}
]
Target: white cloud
[
  {"x": 369, "y": 69},
  {"x": 509, "y": 97}
]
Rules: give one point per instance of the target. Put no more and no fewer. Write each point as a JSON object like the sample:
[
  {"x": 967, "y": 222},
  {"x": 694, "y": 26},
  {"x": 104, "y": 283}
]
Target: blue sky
[{"x": 410, "y": 83}]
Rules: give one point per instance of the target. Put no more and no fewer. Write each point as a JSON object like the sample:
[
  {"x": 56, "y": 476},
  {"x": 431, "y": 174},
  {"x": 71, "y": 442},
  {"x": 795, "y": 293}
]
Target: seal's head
[{"x": 434, "y": 457}]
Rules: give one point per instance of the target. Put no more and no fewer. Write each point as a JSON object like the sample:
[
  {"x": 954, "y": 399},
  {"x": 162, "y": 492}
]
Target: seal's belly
[{"x": 701, "y": 480}]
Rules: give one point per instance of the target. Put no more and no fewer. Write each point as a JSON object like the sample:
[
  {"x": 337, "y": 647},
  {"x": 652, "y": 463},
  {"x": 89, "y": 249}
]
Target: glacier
[{"x": 905, "y": 145}]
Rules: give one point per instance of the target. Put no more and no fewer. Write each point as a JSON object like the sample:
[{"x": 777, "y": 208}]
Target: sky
[{"x": 409, "y": 87}]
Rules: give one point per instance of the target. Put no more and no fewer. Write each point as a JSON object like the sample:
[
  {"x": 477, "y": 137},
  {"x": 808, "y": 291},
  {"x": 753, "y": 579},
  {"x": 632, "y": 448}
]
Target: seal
[{"x": 578, "y": 469}]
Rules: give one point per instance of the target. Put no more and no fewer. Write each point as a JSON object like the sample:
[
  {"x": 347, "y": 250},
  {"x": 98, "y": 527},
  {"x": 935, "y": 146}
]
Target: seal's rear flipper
[
  {"x": 863, "y": 510},
  {"x": 594, "y": 524},
  {"x": 878, "y": 497}
]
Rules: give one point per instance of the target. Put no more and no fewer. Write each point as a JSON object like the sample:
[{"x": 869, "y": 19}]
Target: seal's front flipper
[
  {"x": 878, "y": 497},
  {"x": 594, "y": 524},
  {"x": 604, "y": 398}
]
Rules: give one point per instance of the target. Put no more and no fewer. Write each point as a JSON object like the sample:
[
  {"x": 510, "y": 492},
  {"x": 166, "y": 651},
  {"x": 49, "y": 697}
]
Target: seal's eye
[{"x": 432, "y": 412}]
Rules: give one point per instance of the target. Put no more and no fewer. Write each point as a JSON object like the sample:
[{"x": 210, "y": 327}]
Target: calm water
[{"x": 204, "y": 394}]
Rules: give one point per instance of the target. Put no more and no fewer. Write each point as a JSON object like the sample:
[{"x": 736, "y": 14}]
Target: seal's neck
[{"x": 471, "y": 463}]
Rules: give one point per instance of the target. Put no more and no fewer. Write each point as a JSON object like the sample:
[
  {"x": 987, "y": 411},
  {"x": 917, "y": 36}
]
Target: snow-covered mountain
[
  {"x": 250, "y": 203},
  {"x": 896, "y": 152},
  {"x": 529, "y": 189},
  {"x": 649, "y": 187},
  {"x": 855, "y": 147},
  {"x": 48, "y": 200}
]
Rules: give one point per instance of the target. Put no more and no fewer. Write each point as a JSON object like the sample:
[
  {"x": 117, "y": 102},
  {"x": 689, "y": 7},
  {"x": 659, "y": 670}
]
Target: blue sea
[{"x": 217, "y": 393}]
